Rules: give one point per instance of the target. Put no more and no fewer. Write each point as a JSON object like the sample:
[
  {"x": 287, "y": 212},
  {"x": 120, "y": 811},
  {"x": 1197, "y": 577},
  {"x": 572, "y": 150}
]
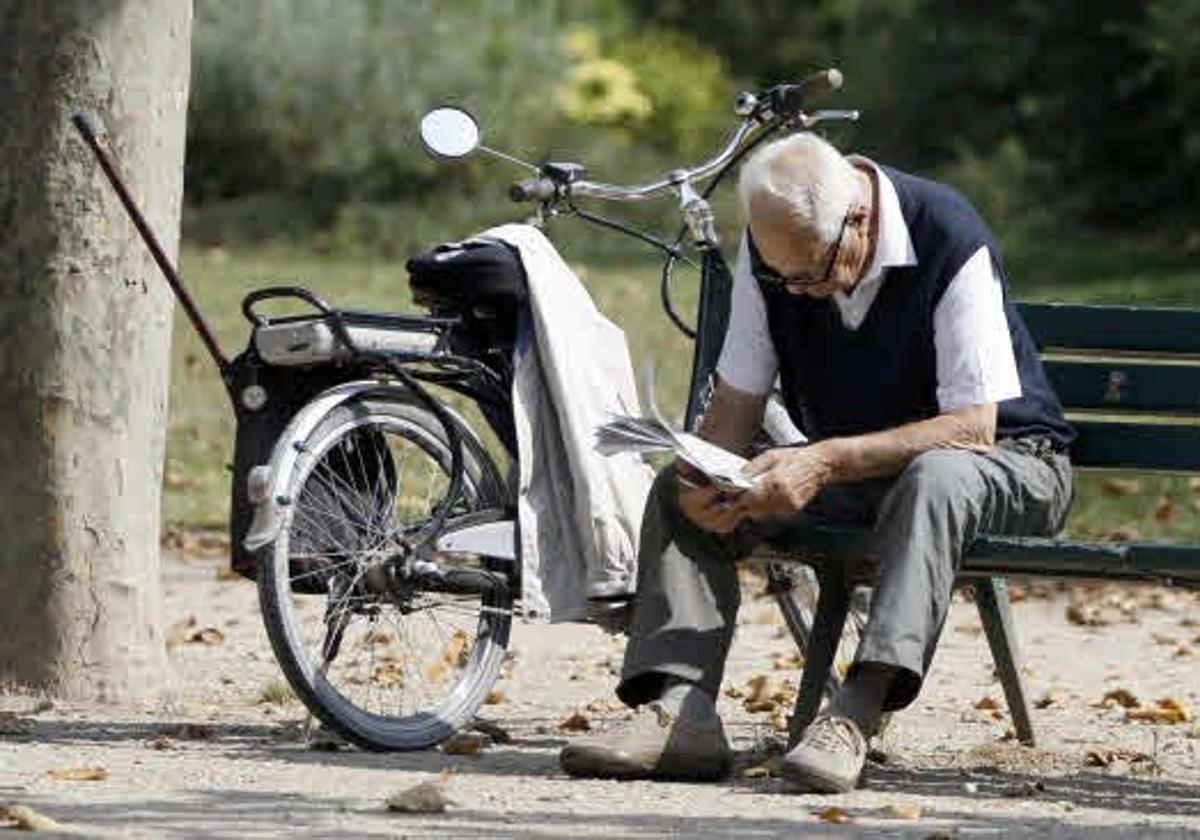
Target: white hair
[{"x": 804, "y": 176}]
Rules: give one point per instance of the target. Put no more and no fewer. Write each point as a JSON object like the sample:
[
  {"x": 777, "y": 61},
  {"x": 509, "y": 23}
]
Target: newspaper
[{"x": 644, "y": 435}]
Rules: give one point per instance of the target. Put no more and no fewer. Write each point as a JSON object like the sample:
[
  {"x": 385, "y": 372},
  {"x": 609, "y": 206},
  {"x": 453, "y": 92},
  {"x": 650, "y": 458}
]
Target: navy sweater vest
[{"x": 837, "y": 381}]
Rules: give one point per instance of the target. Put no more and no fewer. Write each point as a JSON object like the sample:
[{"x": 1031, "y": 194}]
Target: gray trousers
[{"x": 921, "y": 520}]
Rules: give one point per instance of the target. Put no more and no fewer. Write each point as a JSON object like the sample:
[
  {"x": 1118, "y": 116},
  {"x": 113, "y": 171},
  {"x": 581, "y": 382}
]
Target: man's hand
[
  {"x": 787, "y": 480},
  {"x": 709, "y": 508}
]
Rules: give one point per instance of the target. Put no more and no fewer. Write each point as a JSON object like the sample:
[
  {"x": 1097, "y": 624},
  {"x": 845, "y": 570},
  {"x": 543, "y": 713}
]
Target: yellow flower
[{"x": 600, "y": 91}]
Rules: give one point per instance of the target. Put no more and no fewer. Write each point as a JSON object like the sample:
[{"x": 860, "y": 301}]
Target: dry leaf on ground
[
  {"x": 425, "y": 798},
  {"x": 987, "y": 704},
  {"x": 495, "y": 697},
  {"x": 79, "y": 774},
  {"x": 576, "y": 723},
  {"x": 833, "y": 814},
  {"x": 1108, "y": 756},
  {"x": 466, "y": 743},
  {"x": 1122, "y": 697},
  {"x": 24, "y": 818},
  {"x": 1085, "y": 616},
  {"x": 1164, "y": 509},
  {"x": 1168, "y": 710},
  {"x": 1051, "y": 699}
]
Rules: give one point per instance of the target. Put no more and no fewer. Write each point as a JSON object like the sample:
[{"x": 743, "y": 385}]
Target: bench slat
[
  {"x": 1123, "y": 386},
  {"x": 1004, "y": 555},
  {"x": 1117, "y": 328},
  {"x": 1119, "y": 445}
]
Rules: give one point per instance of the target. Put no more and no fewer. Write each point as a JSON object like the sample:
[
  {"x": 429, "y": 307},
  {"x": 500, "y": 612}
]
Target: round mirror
[{"x": 449, "y": 132}]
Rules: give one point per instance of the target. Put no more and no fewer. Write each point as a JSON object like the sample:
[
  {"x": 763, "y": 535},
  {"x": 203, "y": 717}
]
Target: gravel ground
[{"x": 215, "y": 762}]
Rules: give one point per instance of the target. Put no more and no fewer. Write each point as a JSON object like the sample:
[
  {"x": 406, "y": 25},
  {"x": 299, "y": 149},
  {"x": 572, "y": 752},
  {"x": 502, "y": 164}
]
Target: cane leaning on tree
[{"x": 879, "y": 300}]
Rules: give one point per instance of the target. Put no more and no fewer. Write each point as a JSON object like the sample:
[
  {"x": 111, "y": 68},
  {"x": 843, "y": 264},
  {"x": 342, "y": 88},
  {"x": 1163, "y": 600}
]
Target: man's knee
[{"x": 939, "y": 474}]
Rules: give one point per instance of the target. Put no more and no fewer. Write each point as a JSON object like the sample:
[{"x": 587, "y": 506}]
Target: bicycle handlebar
[{"x": 775, "y": 105}]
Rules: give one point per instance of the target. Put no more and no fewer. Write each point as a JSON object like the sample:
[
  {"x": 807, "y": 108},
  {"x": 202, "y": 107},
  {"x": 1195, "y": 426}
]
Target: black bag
[
  {"x": 287, "y": 390},
  {"x": 464, "y": 274}
]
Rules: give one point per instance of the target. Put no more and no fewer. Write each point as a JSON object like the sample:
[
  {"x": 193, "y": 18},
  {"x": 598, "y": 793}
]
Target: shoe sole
[
  {"x": 816, "y": 781},
  {"x": 589, "y": 764}
]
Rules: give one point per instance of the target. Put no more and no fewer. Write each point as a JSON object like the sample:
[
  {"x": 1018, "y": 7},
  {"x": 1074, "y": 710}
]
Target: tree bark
[{"x": 84, "y": 340}]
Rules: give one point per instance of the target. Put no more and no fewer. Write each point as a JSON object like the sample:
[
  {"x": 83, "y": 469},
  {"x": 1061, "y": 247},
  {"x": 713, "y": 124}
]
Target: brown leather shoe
[
  {"x": 655, "y": 744},
  {"x": 829, "y": 757}
]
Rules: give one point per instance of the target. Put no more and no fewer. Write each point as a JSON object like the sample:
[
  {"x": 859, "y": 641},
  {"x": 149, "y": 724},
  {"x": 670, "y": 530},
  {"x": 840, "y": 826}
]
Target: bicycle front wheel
[{"x": 385, "y": 670}]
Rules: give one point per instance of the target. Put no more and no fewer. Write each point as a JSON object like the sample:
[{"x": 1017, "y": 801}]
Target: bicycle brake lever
[{"x": 817, "y": 117}]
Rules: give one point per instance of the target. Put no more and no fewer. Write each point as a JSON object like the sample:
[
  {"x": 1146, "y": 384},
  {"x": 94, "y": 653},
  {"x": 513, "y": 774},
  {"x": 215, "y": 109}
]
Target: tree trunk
[{"x": 84, "y": 340}]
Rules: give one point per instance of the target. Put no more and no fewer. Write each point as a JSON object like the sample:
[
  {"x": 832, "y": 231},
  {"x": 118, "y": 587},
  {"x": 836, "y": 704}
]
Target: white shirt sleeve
[
  {"x": 748, "y": 360},
  {"x": 975, "y": 361}
]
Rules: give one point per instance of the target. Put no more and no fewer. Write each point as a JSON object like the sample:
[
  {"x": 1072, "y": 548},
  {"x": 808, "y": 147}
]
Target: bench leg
[
  {"x": 991, "y": 596},
  {"x": 832, "y": 605}
]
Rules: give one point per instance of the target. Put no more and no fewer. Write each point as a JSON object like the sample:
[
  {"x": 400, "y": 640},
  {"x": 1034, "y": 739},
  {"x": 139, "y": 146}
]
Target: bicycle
[{"x": 372, "y": 514}]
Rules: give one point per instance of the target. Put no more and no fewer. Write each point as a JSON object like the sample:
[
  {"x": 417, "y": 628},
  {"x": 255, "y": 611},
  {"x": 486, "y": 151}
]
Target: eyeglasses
[{"x": 768, "y": 276}]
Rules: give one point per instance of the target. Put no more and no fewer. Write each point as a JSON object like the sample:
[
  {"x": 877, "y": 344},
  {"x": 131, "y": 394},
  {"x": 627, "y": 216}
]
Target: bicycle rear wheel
[{"x": 385, "y": 670}]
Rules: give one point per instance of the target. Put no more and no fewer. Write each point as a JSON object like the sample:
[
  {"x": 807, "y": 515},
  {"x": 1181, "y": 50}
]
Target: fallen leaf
[
  {"x": 1122, "y": 697},
  {"x": 179, "y": 632},
  {"x": 24, "y": 818},
  {"x": 576, "y": 723},
  {"x": 1085, "y": 616},
  {"x": 1109, "y": 756},
  {"x": 425, "y": 798},
  {"x": 1049, "y": 700},
  {"x": 833, "y": 814},
  {"x": 1168, "y": 711},
  {"x": 79, "y": 774},
  {"x": 161, "y": 742},
  {"x": 1164, "y": 509},
  {"x": 987, "y": 704},
  {"x": 454, "y": 655},
  {"x": 904, "y": 812},
  {"x": 206, "y": 636},
  {"x": 495, "y": 697},
  {"x": 758, "y": 688},
  {"x": 466, "y": 743},
  {"x": 1183, "y": 652},
  {"x": 759, "y": 706},
  {"x": 734, "y": 692},
  {"x": 1113, "y": 486}
]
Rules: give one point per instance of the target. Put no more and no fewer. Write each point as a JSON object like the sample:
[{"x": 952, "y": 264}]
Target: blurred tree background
[{"x": 304, "y": 112}]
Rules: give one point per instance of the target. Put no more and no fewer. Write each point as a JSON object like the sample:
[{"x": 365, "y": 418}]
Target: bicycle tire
[{"x": 340, "y": 524}]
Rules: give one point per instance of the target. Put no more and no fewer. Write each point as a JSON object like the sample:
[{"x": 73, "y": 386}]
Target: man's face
[{"x": 803, "y": 263}]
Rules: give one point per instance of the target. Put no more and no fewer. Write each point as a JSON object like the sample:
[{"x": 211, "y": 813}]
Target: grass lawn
[{"x": 200, "y": 436}]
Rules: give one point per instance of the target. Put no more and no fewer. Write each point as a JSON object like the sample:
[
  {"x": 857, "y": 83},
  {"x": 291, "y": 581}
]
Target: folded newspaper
[{"x": 644, "y": 435}]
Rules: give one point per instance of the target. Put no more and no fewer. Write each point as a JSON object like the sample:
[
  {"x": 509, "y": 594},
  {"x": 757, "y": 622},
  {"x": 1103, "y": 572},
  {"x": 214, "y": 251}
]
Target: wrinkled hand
[
  {"x": 787, "y": 480},
  {"x": 708, "y": 507}
]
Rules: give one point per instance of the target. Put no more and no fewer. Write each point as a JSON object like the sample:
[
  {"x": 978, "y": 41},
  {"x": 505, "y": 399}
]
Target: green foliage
[{"x": 1101, "y": 95}]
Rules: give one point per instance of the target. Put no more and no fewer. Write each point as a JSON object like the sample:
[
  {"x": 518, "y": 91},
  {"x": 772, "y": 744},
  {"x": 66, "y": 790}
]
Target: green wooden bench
[{"x": 1129, "y": 379}]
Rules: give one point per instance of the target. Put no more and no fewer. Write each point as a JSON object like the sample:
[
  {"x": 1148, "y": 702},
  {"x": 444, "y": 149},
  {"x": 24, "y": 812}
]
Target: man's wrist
[{"x": 831, "y": 455}]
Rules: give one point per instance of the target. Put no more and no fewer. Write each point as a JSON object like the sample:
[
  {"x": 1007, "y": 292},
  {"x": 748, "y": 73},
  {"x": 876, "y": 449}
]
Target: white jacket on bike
[{"x": 579, "y": 513}]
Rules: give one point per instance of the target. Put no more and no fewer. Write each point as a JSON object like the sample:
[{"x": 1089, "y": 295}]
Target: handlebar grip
[
  {"x": 532, "y": 189},
  {"x": 826, "y": 81},
  {"x": 789, "y": 100}
]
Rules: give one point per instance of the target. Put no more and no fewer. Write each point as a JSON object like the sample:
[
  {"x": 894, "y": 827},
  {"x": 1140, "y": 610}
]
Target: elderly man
[{"x": 878, "y": 298}]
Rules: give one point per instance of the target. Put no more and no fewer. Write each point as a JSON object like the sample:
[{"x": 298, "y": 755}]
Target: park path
[{"x": 215, "y": 762}]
